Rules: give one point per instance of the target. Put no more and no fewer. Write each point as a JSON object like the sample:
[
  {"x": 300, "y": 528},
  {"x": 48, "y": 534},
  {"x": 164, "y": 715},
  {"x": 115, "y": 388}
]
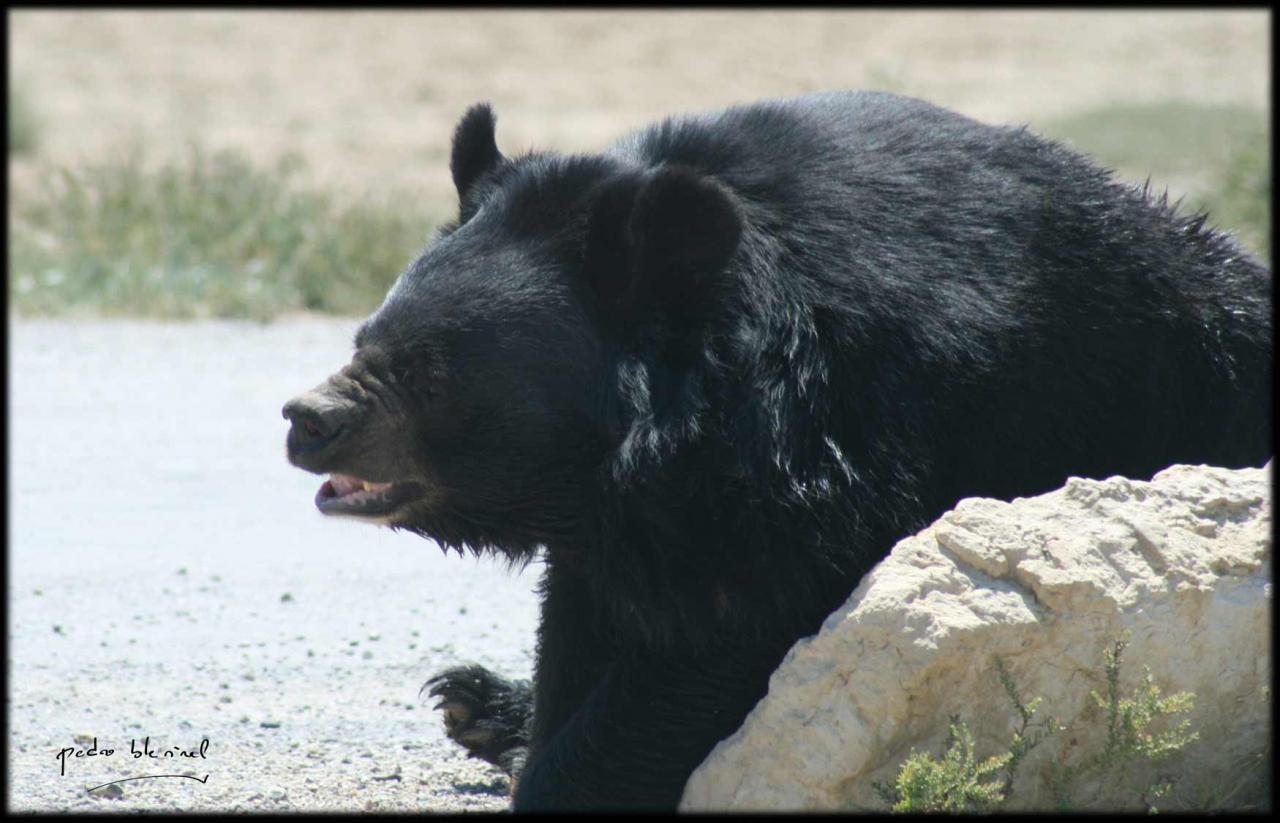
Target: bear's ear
[
  {"x": 474, "y": 149},
  {"x": 659, "y": 243}
]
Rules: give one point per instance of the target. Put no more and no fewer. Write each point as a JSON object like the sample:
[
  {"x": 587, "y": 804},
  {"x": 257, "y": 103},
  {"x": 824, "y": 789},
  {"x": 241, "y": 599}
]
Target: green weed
[
  {"x": 24, "y": 125},
  {"x": 959, "y": 782},
  {"x": 1216, "y": 156},
  {"x": 956, "y": 783},
  {"x": 1129, "y": 738},
  {"x": 210, "y": 236}
]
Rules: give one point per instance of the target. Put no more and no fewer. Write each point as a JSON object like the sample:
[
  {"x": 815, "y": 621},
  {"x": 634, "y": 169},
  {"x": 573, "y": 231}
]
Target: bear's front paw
[{"x": 484, "y": 713}]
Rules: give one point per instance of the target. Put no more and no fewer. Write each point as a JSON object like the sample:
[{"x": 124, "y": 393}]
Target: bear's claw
[{"x": 485, "y": 714}]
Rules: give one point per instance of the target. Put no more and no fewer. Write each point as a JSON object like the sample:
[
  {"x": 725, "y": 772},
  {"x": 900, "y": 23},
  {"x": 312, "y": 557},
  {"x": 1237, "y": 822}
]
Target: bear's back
[
  {"x": 835, "y": 141},
  {"x": 1002, "y": 256}
]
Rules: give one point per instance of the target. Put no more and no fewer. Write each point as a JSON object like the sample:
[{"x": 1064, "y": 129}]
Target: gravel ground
[{"x": 170, "y": 579}]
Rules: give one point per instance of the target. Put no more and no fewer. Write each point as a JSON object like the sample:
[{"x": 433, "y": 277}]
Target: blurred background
[{"x": 202, "y": 205}]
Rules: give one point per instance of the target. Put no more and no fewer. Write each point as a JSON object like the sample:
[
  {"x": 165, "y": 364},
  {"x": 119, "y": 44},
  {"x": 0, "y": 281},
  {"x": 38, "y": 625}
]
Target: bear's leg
[
  {"x": 572, "y": 657},
  {"x": 642, "y": 731},
  {"x": 486, "y": 714},
  {"x": 500, "y": 720}
]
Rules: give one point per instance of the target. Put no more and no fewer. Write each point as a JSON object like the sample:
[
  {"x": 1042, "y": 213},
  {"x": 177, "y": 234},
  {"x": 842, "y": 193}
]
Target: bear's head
[{"x": 553, "y": 325}]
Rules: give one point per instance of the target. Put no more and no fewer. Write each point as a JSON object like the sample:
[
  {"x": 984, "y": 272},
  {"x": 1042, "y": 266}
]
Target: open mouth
[{"x": 347, "y": 495}]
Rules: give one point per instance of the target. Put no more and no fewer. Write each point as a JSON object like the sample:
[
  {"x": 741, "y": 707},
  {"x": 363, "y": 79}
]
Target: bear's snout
[{"x": 317, "y": 423}]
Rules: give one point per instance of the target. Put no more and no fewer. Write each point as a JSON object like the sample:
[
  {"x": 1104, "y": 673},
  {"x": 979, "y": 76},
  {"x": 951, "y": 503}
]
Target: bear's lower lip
[{"x": 343, "y": 494}]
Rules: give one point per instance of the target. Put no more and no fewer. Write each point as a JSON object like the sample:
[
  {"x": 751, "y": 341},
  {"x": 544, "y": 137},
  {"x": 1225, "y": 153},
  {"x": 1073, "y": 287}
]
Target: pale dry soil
[{"x": 369, "y": 99}]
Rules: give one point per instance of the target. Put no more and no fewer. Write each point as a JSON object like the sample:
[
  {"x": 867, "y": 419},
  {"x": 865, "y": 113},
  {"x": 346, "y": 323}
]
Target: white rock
[{"x": 1180, "y": 564}]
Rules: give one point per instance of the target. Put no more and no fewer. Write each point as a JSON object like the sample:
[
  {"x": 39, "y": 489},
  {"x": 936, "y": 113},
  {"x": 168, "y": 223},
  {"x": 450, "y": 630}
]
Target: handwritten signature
[{"x": 137, "y": 752}]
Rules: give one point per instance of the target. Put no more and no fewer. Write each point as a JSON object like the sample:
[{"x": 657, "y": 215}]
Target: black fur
[
  {"x": 715, "y": 373},
  {"x": 658, "y": 246},
  {"x": 475, "y": 150}
]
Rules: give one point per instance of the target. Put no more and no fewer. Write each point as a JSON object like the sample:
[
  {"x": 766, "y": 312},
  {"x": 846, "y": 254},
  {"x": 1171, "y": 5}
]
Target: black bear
[{"x": 711, "y": 375}]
